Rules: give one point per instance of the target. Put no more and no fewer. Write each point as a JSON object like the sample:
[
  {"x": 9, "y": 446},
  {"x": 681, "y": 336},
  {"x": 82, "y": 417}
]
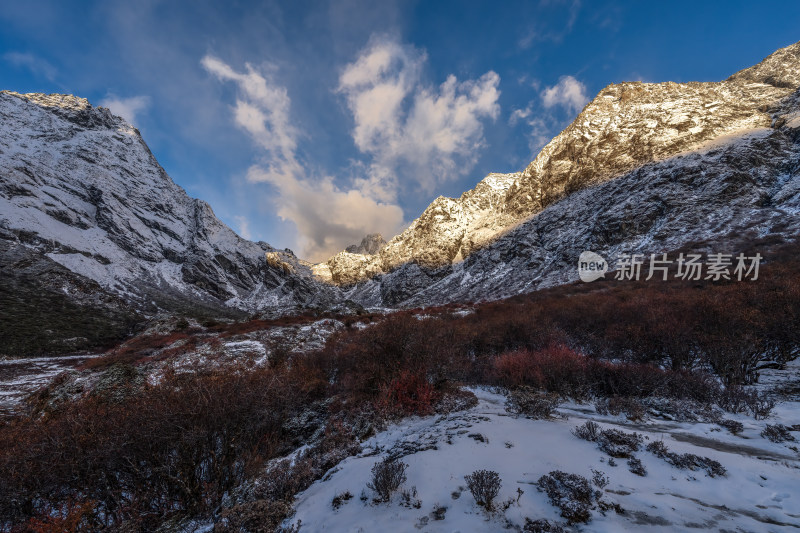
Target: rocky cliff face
[
  {"x": 643, "y": 164},
  {"x": 80, "y": 189}
]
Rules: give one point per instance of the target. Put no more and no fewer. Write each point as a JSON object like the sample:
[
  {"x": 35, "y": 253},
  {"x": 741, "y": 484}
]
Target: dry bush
[
  {"x": 732, "y": 425},
  {"x": 407, "y": 394},
  {"x": 387, "y": 476},
  {"x": 635, "y": 465},
  {"x": 136, "y": 350},
  {"x": 614, "y": 442},
  {"x": 177, "y": 447},
  {"x": 682, "y": 410},
  {"x": 734, "y": 399},
  {"x": 533, "y": 404},
  {"x": 285, "y": 478},
  {"x": 561, "y": 370},
  {"x": 657, "y": 448},
  {"x": 484, "y": 486},
  {"x": 571, "y": 493},
  {"x": 599, "y": 479},
  {"x": 588, "y": 431},
  {"x": 71, "y": 517},
  {"x": 617, "y": 443},
  {"x": 340, "y": 499},
  {"x": 455, "y": 399},
  {"x": 518, "y": 368},
  {"x": 542, "y": 526},
  {"x": 632, "y": 407},
  {"x": 777, "y": 433},
  {"x": 554, "y": 368},
  {"x": 688, "y": 461},
  {"x": 761, "y": 405},
  {"x": 737, "y": 399},
  {"x": 259, "y": 516}
]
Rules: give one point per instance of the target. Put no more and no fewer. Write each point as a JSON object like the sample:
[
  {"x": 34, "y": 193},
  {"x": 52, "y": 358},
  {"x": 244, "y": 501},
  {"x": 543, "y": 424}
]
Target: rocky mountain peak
[
  {"x": 779, "y": 69},
  {"x": 370, "y": 245},
  {"x": 55, "y": 100},
  {"x": 75, "y": 110}
]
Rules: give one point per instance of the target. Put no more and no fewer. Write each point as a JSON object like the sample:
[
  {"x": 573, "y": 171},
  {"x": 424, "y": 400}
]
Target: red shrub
[
  {"x": 556, "y": 368},
  {"x": 514, "y": 369},
  {"x": 408, "y": 394}
]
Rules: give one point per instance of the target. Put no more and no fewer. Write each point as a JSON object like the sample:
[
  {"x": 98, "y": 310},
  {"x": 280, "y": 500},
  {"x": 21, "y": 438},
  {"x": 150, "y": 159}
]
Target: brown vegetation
[{"x": 175, "y": 448}]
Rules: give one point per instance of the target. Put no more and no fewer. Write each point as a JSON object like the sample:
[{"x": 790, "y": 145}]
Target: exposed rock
[{"x": 370, "y": 245}]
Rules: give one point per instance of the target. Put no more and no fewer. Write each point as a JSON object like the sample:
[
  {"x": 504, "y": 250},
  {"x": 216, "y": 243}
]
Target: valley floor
[{"x": 759, "y": 492}]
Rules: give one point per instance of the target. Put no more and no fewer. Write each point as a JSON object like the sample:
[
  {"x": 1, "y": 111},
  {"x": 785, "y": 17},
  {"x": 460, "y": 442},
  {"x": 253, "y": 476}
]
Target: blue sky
[{"x": 308, "y": 124}]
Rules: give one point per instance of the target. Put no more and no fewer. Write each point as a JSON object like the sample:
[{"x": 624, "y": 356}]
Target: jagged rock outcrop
[
  {"x": 80, "y": 188},
  {"x": 656, "y": 164},
  {"x": 370, "y": 245}
]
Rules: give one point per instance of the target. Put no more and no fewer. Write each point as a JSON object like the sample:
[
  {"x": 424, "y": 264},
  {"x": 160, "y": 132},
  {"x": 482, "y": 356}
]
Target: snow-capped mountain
[
  {"x": 80, "y": 188},
  {"x": 644, "y": 168}
]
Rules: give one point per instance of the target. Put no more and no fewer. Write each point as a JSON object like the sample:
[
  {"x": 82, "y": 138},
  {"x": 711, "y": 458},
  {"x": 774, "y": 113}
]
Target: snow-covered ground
[
  {"x": 759, "y": 492},
  {"x": 20, "y": 377}
]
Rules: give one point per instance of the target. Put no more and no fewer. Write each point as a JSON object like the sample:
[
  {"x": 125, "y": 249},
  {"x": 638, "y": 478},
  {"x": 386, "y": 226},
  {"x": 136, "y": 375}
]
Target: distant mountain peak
[{"x": 370, "y": 245}]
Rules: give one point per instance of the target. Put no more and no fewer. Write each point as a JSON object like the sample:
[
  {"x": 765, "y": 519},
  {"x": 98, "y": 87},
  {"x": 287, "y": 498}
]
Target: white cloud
[
  {"x": 520, "y": 114},
  {"x": 127, "y": 108},
  {"x": 540, "y": 132},
  {"x": 410, "y": 130},
  {"x": 262, "y": 110},
  {"x": 244, "y": 227},
  {"x": 568, "y": 93},
  {"x": 327, "y": 217},
  {"x": 35, "y": 64}
]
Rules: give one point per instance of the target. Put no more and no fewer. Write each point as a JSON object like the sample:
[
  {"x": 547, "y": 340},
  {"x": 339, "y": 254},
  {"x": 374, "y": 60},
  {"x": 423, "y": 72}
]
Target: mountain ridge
[
  {"x": 626, "y": 127},
  {"x": 80, "y": 187}
]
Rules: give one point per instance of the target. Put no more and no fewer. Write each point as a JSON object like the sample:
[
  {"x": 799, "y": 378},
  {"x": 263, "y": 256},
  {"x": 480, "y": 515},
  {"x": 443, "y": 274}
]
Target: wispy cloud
[
  {"x": 410, "y": 130},
  {"x": 327, "y": 217},
  {"x": 568, "y": 93},
  {"x": 244, "y": 227},
  {"x": 540, "y": 130},
  {"x": 547, "y": 33},
  {"x": 127, "y": 108},
  {"x": 33, "y": 63},
  {"x": 568, "y": 96},
  {"x": 262, "y": 110}
]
